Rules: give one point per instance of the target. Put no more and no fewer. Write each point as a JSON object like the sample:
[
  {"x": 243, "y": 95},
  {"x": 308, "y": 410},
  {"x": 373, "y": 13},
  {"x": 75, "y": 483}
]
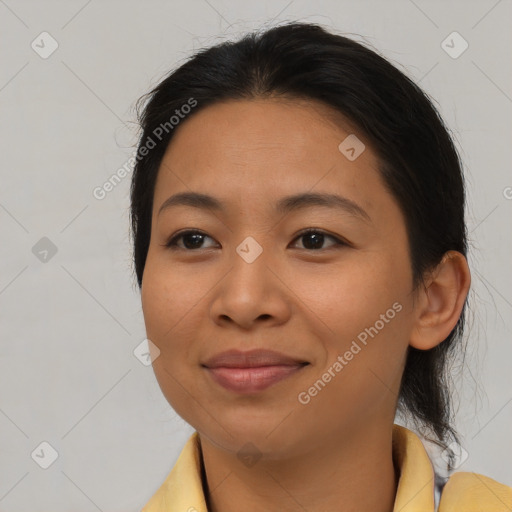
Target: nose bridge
[
  {"x": 246, "y": 292},
  {"x": 249, "y": 265},
  {"x": 250, "y": 250}
]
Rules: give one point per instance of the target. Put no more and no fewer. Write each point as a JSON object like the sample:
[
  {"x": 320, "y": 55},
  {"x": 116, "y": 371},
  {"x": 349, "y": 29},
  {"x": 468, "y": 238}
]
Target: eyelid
[
  {"x": 171, "y": 242},
  {"x": 338, "y": 241}
]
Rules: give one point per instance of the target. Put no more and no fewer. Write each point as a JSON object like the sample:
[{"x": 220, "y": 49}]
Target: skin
[{"x": 335, "y": 452}]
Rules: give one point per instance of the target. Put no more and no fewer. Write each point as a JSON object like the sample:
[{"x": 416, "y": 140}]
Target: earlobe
[{"x": 441, "y": 301}]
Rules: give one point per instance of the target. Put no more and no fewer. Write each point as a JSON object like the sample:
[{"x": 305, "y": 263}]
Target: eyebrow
[{"x": 284, "y": 205}]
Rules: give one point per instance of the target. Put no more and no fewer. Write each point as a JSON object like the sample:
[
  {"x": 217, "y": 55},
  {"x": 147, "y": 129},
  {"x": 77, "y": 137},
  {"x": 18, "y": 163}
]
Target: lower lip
[{"x": 252, "y": 380}]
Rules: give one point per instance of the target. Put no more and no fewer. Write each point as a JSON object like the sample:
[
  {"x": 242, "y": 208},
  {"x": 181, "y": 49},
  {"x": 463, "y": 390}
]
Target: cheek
[
  {"x": 174, "y": 310},
  {"x": 155, "y": 303},
  {"x": 167, "y": 296},
  {"x": 366, "y": 323},
  {"x": 362, "y": 315},
  {"x": 352, "y": 296},
  {"x": 167, "y": 304}
]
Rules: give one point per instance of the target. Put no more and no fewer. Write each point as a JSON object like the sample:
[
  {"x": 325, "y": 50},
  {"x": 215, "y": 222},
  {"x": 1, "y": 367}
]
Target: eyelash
[{"x": 172, "y": 243}]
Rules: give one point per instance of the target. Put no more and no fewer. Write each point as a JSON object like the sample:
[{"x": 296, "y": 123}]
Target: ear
[{"x": 440, "y": 302}]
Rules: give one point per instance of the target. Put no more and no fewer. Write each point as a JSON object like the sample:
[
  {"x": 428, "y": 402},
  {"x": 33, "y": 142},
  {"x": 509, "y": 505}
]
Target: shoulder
[{"x": 472, "y": 492}]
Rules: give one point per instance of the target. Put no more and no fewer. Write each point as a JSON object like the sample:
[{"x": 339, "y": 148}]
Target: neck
[{"x": 347, "y": 473}]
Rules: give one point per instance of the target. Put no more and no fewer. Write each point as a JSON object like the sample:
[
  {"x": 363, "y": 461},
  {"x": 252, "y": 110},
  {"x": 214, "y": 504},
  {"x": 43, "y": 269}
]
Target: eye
[
  {"x": 192, "y": 240},
  {"x": 314, "y": 239}
]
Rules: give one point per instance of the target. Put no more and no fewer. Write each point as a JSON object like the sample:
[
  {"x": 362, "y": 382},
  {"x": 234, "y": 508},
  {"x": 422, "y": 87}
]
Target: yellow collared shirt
[{"x": 182, "y": 491}]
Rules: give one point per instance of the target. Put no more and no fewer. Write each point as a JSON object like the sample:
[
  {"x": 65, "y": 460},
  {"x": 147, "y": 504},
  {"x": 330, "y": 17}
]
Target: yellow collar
[{"x": 464, "y": 492}]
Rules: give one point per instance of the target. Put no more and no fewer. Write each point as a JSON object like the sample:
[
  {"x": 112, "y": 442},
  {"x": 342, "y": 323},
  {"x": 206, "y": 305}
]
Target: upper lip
[{"x": 251, "y": 359}]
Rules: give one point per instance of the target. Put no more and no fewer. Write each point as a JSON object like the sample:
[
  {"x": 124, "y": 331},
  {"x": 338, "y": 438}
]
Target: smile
[{"x": 252, "y": 379}]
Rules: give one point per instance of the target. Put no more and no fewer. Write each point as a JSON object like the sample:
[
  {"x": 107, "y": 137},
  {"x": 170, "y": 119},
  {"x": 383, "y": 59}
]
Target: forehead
[
  {"x": 267, "y": 148},
  {"x": 295, "y": 125}
]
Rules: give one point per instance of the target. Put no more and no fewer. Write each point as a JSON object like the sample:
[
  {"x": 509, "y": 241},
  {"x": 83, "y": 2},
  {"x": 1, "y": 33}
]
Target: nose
[{"x": 250, "y": 294}]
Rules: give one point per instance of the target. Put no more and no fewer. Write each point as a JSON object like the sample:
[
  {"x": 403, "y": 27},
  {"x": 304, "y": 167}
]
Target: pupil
[
  {"x": 318, "y": 237},
  {"x": 197, "y": 238}
]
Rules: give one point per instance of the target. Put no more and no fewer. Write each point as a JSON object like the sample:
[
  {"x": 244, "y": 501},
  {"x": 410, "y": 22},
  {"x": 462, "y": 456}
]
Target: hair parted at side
[{"x": 417, "y": 158}]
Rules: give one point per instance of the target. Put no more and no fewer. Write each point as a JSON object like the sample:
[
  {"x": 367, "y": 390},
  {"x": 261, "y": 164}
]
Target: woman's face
[{"x": 340, "y": 299}]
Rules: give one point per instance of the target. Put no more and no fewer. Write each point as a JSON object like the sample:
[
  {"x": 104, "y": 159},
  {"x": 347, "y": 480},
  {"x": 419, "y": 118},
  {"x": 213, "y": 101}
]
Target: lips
[
  {"x": 251, "y": 371},
  {"x": 251, "y": 359}
]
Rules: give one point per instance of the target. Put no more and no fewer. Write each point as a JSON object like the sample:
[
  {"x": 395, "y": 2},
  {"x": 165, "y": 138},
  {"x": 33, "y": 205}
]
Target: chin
[{"x": 268, "y": 436}]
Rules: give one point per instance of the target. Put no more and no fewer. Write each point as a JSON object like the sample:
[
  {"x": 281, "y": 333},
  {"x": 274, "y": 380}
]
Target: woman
[{"x": 300, "y": 245}]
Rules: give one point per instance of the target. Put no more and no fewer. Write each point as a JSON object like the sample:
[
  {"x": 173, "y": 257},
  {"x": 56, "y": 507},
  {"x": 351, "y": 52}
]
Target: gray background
[{"x": 70, "y": 321}]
